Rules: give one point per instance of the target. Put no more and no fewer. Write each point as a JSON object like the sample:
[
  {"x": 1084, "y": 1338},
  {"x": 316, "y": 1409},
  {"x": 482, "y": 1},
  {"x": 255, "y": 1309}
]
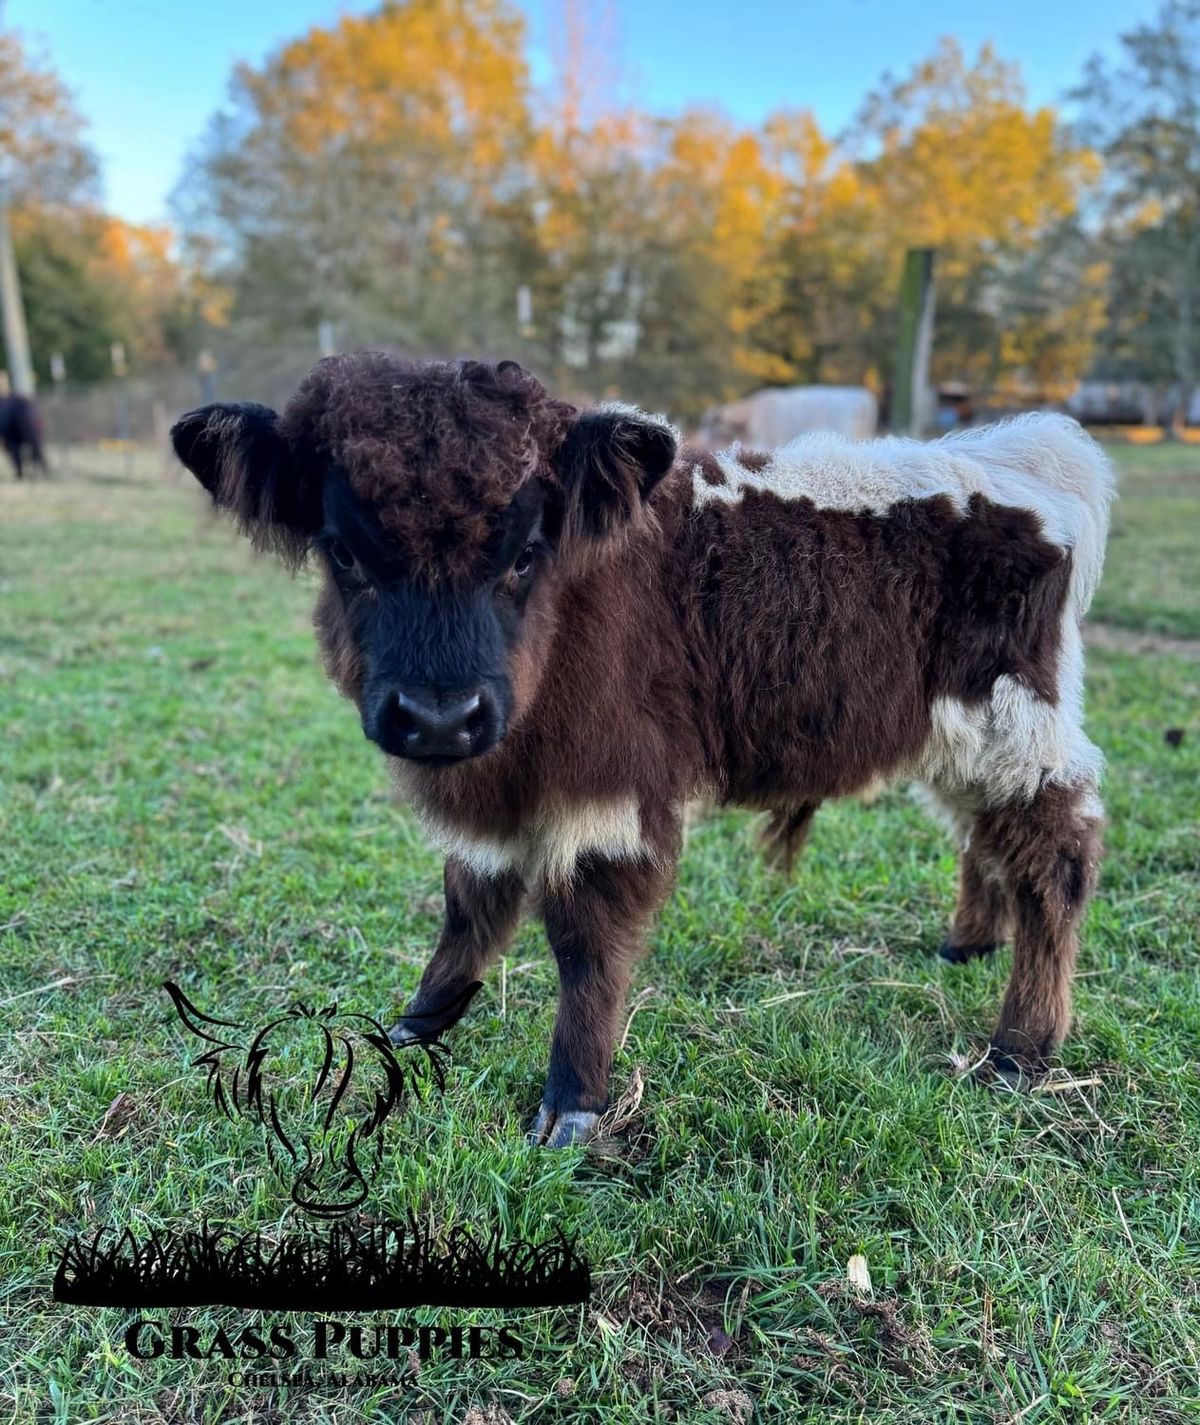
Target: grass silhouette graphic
[{"x": 378, "y": 1267}]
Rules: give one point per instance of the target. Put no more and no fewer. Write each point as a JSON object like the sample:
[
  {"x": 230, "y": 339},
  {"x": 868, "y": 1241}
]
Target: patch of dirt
[
  {"x": 122, "y": 1111},
  {"x": 905, "y": 1349},
  {"x": 693, "y": 1313},
  {"x": 489, "y": 1415},
  {"x": 623, "y": 1137},
  {"x": 733, "y": 1404},
  {"x": 1151, "y": 1380},
  {"x": 1108, "y": 637}
]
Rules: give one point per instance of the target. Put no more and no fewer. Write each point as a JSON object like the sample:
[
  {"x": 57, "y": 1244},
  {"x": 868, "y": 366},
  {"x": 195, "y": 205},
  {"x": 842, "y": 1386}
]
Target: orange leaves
[
  {"x": 1050, "y": 343},
  {"x": 403, "y": 158},
  {"x": 960, "y": 163},
  {"x": 444, "y": 77}
]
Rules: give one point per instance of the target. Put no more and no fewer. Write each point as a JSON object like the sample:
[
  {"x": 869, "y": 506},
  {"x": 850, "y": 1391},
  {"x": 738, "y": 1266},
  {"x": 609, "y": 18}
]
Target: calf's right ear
[{"x": 239, "y": 456}]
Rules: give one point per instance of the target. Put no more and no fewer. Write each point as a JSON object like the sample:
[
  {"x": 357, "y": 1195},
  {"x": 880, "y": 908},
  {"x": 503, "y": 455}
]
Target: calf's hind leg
[
  {"x": 1049, "y": 849},
  {"x": 481, "y": 915},
  {"x": 983, "y": 914}
]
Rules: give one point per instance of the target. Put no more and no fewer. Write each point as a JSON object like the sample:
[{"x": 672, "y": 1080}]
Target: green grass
[
  {"x": 1152, "y": 578},
  {"x": 183, "y": 796}
]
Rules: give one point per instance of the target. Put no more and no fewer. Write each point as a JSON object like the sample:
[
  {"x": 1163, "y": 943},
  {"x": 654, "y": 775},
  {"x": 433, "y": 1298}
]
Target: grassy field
[
  {"x": 184, "y": 797},
  {"x": 1152, "y": 581}
]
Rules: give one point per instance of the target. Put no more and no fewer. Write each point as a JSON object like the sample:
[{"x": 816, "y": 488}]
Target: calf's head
[{"x": 445, "y": 503}]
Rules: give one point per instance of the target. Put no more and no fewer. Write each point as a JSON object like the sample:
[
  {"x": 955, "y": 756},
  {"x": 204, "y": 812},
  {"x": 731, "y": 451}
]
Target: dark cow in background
[
  {"x": 21, "y": 430},
  {"x": 562, "y": 629}
]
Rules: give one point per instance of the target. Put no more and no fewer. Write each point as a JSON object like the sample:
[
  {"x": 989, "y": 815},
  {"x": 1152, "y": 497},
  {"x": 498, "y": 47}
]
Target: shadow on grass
[{"x": 381, "y": 1267}]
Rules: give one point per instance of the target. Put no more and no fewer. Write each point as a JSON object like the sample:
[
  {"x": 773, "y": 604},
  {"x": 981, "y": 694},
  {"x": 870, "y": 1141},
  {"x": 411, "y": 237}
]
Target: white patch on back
[
  {"x": 836, "y": 473},
  {"x": 547, "y": 849},
  {"x": 1043, "y": 463}
]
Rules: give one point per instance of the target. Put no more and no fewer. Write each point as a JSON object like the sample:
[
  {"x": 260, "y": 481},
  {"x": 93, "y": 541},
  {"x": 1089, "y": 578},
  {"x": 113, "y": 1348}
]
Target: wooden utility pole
[
  {"x": 911, "y": 384},
  {"x": 12, "y": 311}
]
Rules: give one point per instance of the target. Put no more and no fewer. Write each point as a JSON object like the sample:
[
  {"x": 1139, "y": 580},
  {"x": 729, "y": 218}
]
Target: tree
[
  {"x": 948, "y": 156},
  {"x": 820, "y": 273},
  {"x": 90, "y": 280},
  {"x": 1143, "y": 114},
  {"x": 69, "y": 310},
  {"x": 953, "y": 159},
  {"x": 706, "y": 198},
  {"x": 649, "y": 233},
  {"x": 363, "y": 174},
  {"x": 397, "y": 174},
  {"x": 1049, "y": 307},
  {"x": 43, "y": 155}
]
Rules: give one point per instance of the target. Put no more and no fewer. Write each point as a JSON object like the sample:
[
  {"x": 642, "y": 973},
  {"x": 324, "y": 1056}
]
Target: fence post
[
  {"x": 58, "y": 375},
  {"x": 162, "y": 437},
  {"x": 206, "y": 369},
  {"x": 121, "y": 374},
  {"x": 915, "y": 346}
]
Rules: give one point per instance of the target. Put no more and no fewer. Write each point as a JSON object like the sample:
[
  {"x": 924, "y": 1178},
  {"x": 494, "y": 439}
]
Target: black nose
[{"x": 437, "y": 723}]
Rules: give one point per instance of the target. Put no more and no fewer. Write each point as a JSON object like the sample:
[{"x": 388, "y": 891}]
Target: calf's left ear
[
  {"x": 609, "y": 464},
  {"x": 239, "y": 456}
]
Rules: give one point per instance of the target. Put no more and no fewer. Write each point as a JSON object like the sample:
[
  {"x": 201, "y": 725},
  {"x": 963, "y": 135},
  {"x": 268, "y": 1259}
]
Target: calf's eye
[
  {"x": 524, "y": 561},
  {"x": 340, "y": 555}
]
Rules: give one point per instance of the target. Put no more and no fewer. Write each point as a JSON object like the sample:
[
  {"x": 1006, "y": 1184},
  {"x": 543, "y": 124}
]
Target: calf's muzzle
[{"x": 434, "y": 724}]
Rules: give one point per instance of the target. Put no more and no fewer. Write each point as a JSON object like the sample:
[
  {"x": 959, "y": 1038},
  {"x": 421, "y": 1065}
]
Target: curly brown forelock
[{"x": 437, "y": 449}]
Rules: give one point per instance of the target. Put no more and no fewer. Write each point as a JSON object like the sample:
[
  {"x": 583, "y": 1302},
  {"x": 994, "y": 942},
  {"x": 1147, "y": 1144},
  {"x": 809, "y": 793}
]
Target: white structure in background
[{"x": 771, "y": 418}]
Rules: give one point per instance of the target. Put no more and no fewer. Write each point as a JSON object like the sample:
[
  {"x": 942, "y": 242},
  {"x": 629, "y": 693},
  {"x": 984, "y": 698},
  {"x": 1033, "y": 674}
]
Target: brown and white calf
[{"x": 563, "y": 629}]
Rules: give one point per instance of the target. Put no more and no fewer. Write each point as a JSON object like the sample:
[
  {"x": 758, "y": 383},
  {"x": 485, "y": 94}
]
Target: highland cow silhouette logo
[{"x": 322, "y": 1082}]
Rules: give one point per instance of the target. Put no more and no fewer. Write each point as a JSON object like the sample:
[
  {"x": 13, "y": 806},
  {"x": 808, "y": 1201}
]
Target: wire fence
[
  {"x": 139, "y": 408},
  {"x": 136, "y": 411}
]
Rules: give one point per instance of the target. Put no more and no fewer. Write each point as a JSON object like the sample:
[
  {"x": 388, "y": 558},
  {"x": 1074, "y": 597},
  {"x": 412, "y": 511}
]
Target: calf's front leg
[
  {"x": 595, "y": 924},
  {"x": 482, "y": 913}
]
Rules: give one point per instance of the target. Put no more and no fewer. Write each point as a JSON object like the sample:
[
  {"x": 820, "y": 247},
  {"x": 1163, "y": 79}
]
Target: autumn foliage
[
  {"x": 399, "y": 175},
  {"x": 89, "y": 279}
]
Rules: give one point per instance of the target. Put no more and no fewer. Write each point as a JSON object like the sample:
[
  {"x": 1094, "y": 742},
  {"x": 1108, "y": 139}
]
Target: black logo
[
  {"x": 355, "y": 1080},
  {"x": 322, "y": 1083}
]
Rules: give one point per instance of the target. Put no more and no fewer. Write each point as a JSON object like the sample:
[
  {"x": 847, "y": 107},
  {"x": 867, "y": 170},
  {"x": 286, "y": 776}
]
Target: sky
[{"x": 147, "y": 74}]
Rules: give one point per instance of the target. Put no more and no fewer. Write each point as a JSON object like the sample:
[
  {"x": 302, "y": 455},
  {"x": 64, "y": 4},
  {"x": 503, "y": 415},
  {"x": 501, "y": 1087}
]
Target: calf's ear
[
  {"x": 239, "y": 456},
  {"x": 609, "y": 464}
]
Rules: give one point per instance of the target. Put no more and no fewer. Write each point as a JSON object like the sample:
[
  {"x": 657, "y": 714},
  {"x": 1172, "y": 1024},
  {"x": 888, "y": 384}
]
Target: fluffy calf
[{"x": 563, "y": 629}]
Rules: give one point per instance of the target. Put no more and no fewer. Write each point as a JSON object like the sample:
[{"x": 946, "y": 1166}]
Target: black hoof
[
  {"x": 428, "y": 1023},
  {"x": 960, "y": 954},
  {"x": 552, "y": 1129},
  {"x": 1002, "y": 1070}
]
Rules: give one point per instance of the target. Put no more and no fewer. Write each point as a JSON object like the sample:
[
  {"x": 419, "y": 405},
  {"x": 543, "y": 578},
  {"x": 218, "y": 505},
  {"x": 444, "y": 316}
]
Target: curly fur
[{"x": 436, "y": 449}]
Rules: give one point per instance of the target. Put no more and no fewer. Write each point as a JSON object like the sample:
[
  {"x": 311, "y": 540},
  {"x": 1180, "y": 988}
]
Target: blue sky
[{"x": 148, "y": 73}]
